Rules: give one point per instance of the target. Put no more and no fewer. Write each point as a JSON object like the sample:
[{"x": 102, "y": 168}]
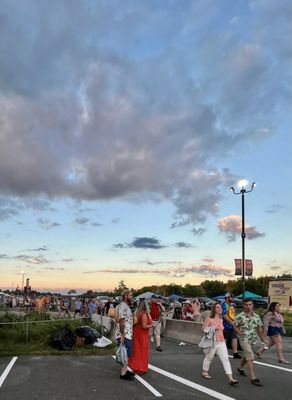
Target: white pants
[{"x": 221, "y": 350}]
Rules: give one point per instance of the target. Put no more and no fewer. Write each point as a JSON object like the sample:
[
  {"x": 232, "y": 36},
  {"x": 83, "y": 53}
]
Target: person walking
[
  {"x": 228, "y": 315},
  {"x": 248, "y": 325},
  {"x": 78, "y": 306},
  {"x": 156, "y": 309},
  {"x": 274, "y": 329},
  {"x": 187, "y": 311},
  {"x": 217, "y": 345},
  {"x": 124, "y": 330},
  {"x": 140, "y": 355}
]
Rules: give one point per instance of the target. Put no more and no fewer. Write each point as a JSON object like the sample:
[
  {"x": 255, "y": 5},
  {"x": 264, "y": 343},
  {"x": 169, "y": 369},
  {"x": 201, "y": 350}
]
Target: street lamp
[
  {"x": 242, "y": 184},
  {"x": 22, "y": 286}
]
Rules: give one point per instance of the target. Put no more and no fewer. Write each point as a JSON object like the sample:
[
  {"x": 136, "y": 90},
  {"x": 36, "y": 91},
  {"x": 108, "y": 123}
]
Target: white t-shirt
[{"x": 124, "y": 312}]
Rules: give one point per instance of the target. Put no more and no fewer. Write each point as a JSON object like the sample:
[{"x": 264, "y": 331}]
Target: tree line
[{"x": 208, "y": 288}]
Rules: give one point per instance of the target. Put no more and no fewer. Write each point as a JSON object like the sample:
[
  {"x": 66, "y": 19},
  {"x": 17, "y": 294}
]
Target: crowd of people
[{"x": 220, "y": 328}]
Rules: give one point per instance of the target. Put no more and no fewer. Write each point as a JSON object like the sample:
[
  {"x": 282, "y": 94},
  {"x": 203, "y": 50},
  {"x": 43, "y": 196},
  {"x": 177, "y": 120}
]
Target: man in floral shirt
[
  {"x": 124, "y": 330},
  {"x": 249, "y": 326}
]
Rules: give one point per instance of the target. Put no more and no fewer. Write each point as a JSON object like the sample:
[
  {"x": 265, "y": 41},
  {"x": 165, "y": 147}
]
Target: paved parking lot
[{"x": 174, "y": 374}]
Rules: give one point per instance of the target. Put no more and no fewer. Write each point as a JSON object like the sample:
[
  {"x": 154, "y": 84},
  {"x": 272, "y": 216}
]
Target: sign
[
  {"x": 281, "y": 292},
  {"x": 248, "y": 267}
]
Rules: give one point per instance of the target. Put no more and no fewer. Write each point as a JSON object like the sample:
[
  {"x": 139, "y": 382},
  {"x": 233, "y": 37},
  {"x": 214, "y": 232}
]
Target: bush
[{"x": 33, "y": 333}]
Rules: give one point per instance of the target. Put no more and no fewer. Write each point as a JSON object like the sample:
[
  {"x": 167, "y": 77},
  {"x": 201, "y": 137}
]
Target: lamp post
[
  {"x": 242, "y": 184},
  {"x": 22, "y": 286}
]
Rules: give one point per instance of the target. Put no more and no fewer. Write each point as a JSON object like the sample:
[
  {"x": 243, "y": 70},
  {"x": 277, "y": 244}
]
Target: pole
[{"x": 243, "y": 242}]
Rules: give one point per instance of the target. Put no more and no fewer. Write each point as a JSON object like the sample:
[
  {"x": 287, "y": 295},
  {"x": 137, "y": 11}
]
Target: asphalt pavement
[{"x": 173, "y": 374}]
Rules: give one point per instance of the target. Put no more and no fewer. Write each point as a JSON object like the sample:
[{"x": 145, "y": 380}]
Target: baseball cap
[
  {"x": 228, "y": 295},
  {"x": 187, "y": 302}
]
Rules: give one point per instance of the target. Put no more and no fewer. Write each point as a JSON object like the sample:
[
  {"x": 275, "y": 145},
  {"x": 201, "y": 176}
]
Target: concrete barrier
[
  {"x": 184, "y": 331},
  {"x": 106, "y": 323}
]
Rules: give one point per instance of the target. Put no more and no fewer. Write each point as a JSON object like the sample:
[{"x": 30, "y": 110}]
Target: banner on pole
[{"x": 248, "y": 267}]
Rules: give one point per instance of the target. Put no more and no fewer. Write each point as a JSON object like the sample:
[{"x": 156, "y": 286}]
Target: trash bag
[
  {"x": 89, "y": 334},
  {"x": 122, "y": 355},
  {"x": 64, "y": 340}
]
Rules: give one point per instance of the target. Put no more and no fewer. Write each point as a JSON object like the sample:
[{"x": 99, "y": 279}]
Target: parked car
[
  {"x": 238, "y": 302},
  {"x": 104, "y": 299},
  {"x": 261, "y": 302},
  {"x": 206, "y": 303}
]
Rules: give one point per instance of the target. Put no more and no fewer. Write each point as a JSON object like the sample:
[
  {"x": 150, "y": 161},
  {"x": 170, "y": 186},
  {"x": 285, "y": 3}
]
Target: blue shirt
[{"x": 229, "y": 311}]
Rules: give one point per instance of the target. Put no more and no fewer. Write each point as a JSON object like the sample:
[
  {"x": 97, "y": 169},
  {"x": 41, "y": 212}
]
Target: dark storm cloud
[{"x": 82, "y": 119}]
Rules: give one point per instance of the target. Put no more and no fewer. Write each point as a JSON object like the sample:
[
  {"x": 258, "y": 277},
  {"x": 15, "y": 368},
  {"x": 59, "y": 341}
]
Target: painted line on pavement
[
  {"x": 146, "y": 384},
  {"x": 270, "y": 365},
  {"x": 210, "y": 392},
  {"x": 7, "y": 370}
]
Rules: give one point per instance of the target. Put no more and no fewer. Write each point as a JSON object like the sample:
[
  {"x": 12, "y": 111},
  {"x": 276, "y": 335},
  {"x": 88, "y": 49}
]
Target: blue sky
[{"x": 121, "y": 131}]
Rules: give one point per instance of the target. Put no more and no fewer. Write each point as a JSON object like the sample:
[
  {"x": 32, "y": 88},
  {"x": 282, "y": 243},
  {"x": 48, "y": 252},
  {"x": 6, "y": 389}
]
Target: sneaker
[
  {"x": 236, "y": 355},
  {"x": 256, "y": 382},
  {"x": 127, "y": 377},
  {"x": 158, "y": 348},
  {"x": 130, "y": 373}
]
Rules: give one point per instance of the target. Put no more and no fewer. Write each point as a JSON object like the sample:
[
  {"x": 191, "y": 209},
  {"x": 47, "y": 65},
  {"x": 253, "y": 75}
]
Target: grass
[{"x": 34, "y": 337}]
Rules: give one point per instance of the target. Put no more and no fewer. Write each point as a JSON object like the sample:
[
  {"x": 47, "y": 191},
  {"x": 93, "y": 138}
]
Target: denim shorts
[{"x": 274, "y": 331}]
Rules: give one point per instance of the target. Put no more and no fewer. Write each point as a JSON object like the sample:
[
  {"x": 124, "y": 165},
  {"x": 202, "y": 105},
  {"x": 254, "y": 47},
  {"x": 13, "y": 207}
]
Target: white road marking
[
  {"x": 191, "y": 384},
  {"x": 146, "y": 384},
  {"x": 271, "y": 365},
  {"x": 7, "y": 370}
]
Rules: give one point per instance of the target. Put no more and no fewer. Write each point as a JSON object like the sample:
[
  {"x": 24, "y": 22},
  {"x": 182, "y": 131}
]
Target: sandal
[
  {"x": 206, "y": 375},
  {"x": 241, "y": 372},
  {"x": 233, "y": 382},
  {"x": 259, "y": 356},
  {"x": 256, "y": 382},
  {"x": 284, "y": 362}
]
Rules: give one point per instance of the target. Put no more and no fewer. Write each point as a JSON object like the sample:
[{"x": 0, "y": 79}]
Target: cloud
[
  {"x": 46, "y": 224},
  {"x": 274, "y": 208},
  {"x": 275, "y": 268},
  {"x": 208, "y": 260},
  {"x": 83, "y": 120},
  {"x": 42, "y": 248},
  {"x": 231, "y": 227},
  {"x": 202, "y": 270},
  {"x": 32, "y": 260},
  {"x": 141, "y": 243},
  {"x": 81, "y": 221},
  {"x": 183, "y": 244}
]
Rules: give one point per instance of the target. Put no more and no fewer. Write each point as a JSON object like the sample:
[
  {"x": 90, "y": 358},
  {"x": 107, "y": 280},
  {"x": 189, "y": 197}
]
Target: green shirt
[{"x": 248, "y": 325}]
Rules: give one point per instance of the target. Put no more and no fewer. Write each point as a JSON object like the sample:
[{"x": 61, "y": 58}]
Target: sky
[{"x": 122, "y": 129}]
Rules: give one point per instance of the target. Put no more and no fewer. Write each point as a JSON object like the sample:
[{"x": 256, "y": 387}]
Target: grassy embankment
[{"x": 34, "y": 338}]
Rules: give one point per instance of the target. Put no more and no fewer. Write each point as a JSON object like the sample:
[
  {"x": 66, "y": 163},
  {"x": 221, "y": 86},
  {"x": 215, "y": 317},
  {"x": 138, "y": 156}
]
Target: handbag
[{"x": 122, "y": 355}]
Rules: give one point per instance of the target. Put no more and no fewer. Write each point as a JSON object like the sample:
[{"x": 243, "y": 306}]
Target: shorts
[
  {"x": 229, "y": 334},
  {"x": 129, "y": 345},
  {"x": 247, "y": 350},
  {"x": 274, "y": 331},
  {"x": 156, "y": 326}
]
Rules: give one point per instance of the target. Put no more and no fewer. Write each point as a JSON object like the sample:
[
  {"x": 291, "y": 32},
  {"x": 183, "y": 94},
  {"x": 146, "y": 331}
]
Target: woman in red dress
[{"x": 138, "y": 362}]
